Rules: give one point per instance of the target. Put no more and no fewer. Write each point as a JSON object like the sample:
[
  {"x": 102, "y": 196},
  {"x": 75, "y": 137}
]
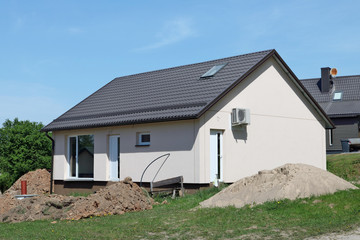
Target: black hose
[{"x": 142, "y": 175}]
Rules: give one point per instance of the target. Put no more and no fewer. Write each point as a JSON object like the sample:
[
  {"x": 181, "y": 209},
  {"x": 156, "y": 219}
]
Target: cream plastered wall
[
  {"x": 179, "y": 138},
  {"x": 284, "y": 128}
]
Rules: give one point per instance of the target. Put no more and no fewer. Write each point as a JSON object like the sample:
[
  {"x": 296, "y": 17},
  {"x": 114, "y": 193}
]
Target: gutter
[{"x": 52, "y": 161}]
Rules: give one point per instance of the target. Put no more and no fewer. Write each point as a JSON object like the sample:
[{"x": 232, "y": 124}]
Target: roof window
[
  {"x": 337, "y": 96},
  {"x": 213, "y": 70}
]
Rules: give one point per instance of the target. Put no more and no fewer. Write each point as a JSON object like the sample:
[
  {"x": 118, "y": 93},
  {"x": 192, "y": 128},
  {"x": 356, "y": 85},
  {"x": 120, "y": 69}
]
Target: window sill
[
  {"x": 142, "y": 145},
  {"x": 114, "y": 180},
  {"x": 78, "y": 179}
]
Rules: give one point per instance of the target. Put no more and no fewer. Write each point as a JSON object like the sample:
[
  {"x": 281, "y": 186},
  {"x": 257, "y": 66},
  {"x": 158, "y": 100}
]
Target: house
[
  {"x": 187, "y": 111},
  {"x": 339, "y": 97}
]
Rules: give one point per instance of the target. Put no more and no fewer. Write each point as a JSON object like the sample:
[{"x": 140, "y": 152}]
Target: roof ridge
[
  {"x": 191, "y": 64},
  {"x": 308, "y": 79}
]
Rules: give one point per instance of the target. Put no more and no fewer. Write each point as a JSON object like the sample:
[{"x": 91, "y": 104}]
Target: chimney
[{"x": 325, "y": 80}]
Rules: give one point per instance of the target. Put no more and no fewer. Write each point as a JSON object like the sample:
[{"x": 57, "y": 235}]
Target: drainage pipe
[
  {"x": 52, "y": 161},
  {"x": 23, "y": 187}
]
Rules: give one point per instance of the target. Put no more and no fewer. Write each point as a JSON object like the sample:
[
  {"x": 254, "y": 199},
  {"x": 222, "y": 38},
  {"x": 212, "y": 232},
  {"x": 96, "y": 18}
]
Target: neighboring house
[
  {"x": 340, "y": 99},
  {"x": 187, "y": 111}
]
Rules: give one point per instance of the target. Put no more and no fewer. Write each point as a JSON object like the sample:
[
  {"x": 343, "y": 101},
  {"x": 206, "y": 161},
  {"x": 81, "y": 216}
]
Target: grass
[
  {"x": 346, "y": 166},
  {"x": 79, "y": 194},
  {"x": 180, "y": 219}
]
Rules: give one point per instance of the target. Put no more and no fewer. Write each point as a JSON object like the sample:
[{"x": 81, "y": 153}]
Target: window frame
[
  {"x": 213, "y": 70},
  {"x": 69, "y": 176},
  {"x": 118, "y": 158},
  {"x": 139, "y": 141},
  {"x": 331, "y": 137},
  {"x": 338, "y": 99}
]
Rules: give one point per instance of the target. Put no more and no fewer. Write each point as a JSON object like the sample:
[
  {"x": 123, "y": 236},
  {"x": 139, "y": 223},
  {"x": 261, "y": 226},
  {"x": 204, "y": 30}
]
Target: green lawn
[
  {"x": 180, "y": 220},
  {"x": 346, "y": 166}
]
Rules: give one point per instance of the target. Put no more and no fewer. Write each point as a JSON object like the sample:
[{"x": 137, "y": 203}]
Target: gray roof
[
  {"x": 164, "y": 95},
  {"x": 349, "y": 105}
]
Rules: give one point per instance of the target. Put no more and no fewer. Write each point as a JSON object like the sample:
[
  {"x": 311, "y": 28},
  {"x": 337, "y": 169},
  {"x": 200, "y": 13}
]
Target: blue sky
[{"x": 53, "y": 54}]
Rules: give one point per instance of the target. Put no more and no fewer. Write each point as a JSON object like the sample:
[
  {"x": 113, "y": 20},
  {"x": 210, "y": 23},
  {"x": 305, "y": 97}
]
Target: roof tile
[
  {"x": 163, "y": 95},
  {"x": 350, "y": 102}
]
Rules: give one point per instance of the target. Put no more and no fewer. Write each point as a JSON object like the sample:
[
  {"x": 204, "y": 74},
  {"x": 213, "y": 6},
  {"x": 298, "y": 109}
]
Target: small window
[
  {"x": 337, "y": 96},
  {"x": 213, "y": 70},
  {"x": 143, "y": 139},
  {"x": 330, "y": 137}
]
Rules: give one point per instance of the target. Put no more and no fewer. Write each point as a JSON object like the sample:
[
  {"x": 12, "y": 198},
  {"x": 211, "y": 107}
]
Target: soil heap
[
  {"x": 38, "y": 182},
  {"x": 117, "y": 198},
  {"x": 121, "y": 197},
  {"x": 38, "y": 208},
  {"x": 7, "y": 202},
  {"x": 289, "y": 181}
]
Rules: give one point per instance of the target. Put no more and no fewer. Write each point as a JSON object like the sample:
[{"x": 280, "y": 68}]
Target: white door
[
  {"x": 216, "y": 171},
  {"x": 114, "y": 157}
]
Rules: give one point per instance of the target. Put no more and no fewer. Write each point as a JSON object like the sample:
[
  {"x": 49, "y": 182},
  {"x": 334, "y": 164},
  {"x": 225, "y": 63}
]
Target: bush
[
  {"x": 5, "y": 181},
  {"x": 23, "y": 148}
]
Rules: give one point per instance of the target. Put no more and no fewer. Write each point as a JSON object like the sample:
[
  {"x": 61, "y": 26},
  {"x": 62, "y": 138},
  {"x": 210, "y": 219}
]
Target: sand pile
[
  {"x": 124, "y": 196},
  {"x": 289, "y": 181}
]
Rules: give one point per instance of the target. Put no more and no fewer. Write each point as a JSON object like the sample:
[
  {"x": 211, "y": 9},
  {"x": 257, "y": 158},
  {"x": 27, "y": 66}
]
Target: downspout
[{"x": 52, "y": 161}]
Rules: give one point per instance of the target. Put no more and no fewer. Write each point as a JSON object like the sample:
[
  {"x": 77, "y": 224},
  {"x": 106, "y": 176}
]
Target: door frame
[
  {"x": 216, "y": 155},
  {"x": 111, "y": 164}
]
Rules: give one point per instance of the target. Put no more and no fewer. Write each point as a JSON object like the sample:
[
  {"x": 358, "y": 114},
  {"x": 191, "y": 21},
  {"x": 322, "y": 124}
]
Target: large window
[{"x": 81, "y": 156}]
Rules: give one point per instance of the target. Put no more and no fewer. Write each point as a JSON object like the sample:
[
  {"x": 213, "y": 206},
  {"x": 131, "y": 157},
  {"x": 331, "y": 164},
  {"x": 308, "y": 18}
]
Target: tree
[{"x": 23, "y": 148}]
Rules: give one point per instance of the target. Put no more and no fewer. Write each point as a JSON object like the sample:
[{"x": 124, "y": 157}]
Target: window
[
  {"x": 143, "y": 139},
  {"x": 213, "y": 70},
  {"x": 81, "y": 156},
  {"x": 330, "y": 137},
  {"x": 337, "y": 96}
]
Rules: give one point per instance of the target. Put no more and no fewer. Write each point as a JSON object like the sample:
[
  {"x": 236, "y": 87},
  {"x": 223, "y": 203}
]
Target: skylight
[
  {"x": 337, "y": 96},
  {"x": 213, "y": 70}
]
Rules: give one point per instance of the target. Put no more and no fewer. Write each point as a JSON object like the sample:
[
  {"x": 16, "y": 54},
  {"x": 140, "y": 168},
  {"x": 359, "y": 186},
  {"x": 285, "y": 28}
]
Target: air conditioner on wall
[{"x": 240, "y": 116}]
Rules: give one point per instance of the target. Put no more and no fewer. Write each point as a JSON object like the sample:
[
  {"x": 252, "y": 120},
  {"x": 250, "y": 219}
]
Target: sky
[{"x": 53, "y": 54}]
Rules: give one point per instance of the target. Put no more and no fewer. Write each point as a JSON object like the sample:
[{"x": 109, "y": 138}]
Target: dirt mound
[
  {"x": 38, "y": 208},
  {"x": 289, "y": 181},
  {"x": 38, "y": 182},
  {"x": 116, "y": 199},
  {"x": 121, "y": 197},
  {"x": 7, "y": 202}
]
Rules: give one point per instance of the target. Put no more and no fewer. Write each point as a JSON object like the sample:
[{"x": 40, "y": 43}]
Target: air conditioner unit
[{"x": 240, "y": 116}]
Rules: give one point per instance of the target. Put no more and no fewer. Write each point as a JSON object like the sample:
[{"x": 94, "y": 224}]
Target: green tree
[{"x": 23, "y": 148}]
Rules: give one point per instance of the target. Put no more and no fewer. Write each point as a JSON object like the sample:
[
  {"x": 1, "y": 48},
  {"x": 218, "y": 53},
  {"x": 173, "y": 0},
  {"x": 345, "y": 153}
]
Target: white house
[{"x": 187, "y": 111}]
